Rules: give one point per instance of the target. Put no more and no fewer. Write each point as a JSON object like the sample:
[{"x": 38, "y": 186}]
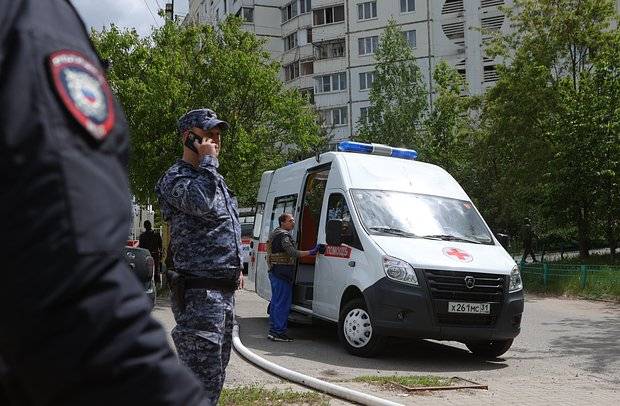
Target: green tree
[
  {"x": 176, "y": 69},
  {"x": 398, "y": 97},
  {"x": 548, "y": 117},
  {"x": 450, "y": 125}
]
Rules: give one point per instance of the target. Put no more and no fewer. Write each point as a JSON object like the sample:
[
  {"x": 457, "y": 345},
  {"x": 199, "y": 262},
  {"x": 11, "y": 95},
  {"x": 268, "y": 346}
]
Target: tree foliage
[
  {"x": 450, "y": 125},
  {"x": 178, "y": 68},
  {"x": 553, "y": 116},
  {"x": 398, "y": 95}
]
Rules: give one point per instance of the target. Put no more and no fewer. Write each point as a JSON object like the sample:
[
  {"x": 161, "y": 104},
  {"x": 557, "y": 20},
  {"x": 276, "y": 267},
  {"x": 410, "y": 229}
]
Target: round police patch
[{"x": 84, "y": 91}]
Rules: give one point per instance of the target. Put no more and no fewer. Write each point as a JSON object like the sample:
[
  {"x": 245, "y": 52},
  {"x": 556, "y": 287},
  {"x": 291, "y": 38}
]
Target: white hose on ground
[{"x": 305, "y": 380}]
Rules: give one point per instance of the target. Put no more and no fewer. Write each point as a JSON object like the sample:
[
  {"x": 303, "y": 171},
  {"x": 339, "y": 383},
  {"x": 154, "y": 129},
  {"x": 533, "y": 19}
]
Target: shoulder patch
[{"x": 84, "y": 91}]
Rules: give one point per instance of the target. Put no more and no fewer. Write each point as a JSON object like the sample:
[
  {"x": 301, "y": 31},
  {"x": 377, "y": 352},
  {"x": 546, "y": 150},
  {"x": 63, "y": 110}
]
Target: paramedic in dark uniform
[
  {"x": 282, "y": 256},
  {"x": 75, "y": 327},
  {"x": 151, "y": 240},
  {"x": 205, "y": 237}
]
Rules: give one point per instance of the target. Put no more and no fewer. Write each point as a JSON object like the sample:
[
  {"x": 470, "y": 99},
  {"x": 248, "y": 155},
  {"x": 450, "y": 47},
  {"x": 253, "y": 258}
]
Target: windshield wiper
[
  {"x": 394, "y": 231},
  {"x": 449, "y": 237}
]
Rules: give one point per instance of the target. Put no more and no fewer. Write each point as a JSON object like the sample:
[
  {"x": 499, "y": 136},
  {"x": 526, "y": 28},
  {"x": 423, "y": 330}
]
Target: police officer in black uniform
[{"x": 74, "y": 323}]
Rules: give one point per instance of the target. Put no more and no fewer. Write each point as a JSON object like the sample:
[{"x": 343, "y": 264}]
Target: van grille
[{"x": 449, "y": 286}]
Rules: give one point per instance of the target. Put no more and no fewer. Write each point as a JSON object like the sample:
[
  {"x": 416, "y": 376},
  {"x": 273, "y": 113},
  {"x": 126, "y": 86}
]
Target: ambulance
[{"x": 405, "y": 253}]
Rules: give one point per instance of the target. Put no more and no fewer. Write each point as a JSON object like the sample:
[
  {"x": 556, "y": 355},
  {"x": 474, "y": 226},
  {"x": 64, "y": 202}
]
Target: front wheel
[
  {"x": 356, "y": 331},
  {"x": 489, "y": 349}
]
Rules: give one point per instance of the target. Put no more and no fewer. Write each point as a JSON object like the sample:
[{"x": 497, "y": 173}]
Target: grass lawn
[
  {"x": 255, "y": 395},
  {"x": 412, "y": 381}
]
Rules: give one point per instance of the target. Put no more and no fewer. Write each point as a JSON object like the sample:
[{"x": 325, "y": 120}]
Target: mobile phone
[{"x": 189, "y": 142}]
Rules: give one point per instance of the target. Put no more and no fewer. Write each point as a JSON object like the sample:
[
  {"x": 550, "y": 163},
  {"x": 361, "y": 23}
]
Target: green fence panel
[
  {"x": 575, "y": 278},
  {"x": 584, "y": 276}
]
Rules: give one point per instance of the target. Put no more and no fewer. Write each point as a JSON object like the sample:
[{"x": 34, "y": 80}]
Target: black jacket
[{"x": 75, "y": 325}]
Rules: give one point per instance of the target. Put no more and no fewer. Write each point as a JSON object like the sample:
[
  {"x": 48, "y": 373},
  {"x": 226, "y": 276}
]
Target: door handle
[{"x": 352, "y": 264}]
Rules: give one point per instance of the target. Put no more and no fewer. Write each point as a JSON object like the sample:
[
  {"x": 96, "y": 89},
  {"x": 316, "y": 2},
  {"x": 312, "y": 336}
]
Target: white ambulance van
[{"x": 406, "y": 253}]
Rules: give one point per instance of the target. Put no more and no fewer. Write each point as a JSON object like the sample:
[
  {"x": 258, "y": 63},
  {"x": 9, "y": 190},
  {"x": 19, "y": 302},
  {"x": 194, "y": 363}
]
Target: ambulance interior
[{"x": 309, "y": 219}]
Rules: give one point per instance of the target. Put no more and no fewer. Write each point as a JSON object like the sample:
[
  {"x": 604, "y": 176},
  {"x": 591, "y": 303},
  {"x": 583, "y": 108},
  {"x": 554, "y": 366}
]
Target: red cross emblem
[{"x": 458, "y": 254}]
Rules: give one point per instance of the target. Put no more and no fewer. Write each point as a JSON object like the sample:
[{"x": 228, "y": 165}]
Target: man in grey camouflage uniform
[{"x": 206, "y": 242}]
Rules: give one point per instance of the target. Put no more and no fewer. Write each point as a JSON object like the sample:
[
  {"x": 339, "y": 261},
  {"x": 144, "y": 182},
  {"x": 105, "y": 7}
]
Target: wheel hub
[{"x": 357, "y": 328}]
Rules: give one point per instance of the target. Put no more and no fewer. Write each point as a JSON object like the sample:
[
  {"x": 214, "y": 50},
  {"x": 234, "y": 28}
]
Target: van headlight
[
  {"x": 516, "y": 283},
  {"x": 399, "y": 270}
]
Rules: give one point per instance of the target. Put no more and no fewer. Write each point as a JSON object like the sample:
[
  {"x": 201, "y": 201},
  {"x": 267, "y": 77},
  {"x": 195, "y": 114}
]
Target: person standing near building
[
  {"x": 282, "y": 256},
  {"x": 206, "y": 242},
  {"x": 151, "y": 240},
  {"x": 75, "y": 324}
]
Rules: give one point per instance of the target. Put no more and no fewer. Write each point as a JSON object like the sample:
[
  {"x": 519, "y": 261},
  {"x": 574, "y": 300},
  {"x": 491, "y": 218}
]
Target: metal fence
[{"x": 550, "y": 277}]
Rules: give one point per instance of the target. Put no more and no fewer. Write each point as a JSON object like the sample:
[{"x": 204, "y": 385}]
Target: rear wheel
[
  {"x": 356, "y": 331},
  {"x": 489, "y": 349}
]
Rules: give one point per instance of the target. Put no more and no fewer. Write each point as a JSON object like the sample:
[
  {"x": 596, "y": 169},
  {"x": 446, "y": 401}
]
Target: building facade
[{"x": 326, "y": 47}]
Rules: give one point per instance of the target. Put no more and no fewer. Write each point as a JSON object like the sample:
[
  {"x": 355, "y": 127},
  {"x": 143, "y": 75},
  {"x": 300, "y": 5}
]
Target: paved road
[{"x": 568, "y": 353}]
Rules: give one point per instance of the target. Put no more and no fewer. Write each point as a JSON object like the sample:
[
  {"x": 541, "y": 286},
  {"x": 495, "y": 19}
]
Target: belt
[
  {"x": 281, "y": 259},
  {"x": 224, "y": 285},
  {"x": 200, "y": 282}
]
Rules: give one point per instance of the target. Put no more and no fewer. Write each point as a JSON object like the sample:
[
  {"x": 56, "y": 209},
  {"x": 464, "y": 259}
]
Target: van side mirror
[
  {"x": 504, "y": 239},
  {"x": 334, "y": 232}
]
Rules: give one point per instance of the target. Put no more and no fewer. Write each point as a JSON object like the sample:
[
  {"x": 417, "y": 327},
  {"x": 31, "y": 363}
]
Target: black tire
[
  {"x": 355, "y": 330},
  {"x": 489, "y": 349}
]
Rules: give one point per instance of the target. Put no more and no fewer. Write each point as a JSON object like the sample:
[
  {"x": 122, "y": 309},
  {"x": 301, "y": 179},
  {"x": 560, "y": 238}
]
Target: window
[
  {"x": 225, "y": 6},
  {"x": 217, "y": 14},
  {"x": 407, "y": 6},
  {"x": 248, "y": 14},
  {"x": 290, "y": 41},
  {"x": 258, "y": 220},
  {"x": 340, "y": 116},
  {"x": 368, "y": 45},
  {"x": 307, "y": 68},
  {"x": 328, "y": 15},
  {"x": 289, "y": 11},
  {"x": 337, "y": 209},
  {"x": 331, "y": 83},
  {"x": 364, "y": 115},
  {"x": 330, "y": 49},
  {"x": 367, "y": 10},
  {"x": 305, "y": 6},
  {"x": 309, "y": 36},
  {"x": 335, "y": 117},
  {"x": 410, "y": 37},
  {"x": 291, "y": 71},
  {"x": 308, "y": 93},
  {"x": 283, "y": 204},
  {"x": 366, "y": 79}
]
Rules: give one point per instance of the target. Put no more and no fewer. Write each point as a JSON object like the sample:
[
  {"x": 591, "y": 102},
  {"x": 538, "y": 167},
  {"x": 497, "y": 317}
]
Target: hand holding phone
[{"x": 189, "y": 142}]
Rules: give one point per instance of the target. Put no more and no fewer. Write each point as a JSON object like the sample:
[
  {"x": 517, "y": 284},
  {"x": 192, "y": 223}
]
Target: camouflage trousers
[{"x": 203, "y": 336}]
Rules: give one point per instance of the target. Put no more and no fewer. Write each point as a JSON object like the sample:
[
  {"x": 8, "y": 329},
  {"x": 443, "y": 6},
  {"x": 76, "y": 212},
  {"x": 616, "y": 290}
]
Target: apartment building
[{"x": 326, "y": 47}]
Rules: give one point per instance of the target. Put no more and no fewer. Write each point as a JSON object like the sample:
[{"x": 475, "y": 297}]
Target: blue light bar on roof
[
  {"x": 376, "y": 149},
  {"x": 350, "y": 146}
]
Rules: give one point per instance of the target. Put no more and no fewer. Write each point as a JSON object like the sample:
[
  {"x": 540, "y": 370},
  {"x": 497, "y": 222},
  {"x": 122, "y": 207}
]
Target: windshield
[
  {"x": 420, "y": 216},
  {"x": 246, "y": 229}
]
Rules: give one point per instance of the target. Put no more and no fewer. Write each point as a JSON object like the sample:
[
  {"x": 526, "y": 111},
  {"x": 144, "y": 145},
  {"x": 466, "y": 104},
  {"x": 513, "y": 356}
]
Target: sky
[{"x": 125, "y": 13}]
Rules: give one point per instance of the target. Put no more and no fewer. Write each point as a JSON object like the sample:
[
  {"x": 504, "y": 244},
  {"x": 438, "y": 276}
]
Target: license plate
[{"x": 472, "y": 308}]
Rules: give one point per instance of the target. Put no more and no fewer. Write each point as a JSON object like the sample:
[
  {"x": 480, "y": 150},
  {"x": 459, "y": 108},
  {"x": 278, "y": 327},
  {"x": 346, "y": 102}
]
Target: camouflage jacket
[{"x": 204, "y": 219}]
